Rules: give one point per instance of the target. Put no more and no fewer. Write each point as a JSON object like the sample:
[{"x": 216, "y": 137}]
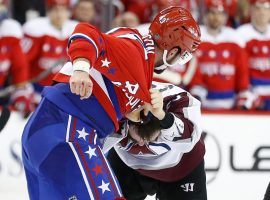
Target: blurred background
[{"x": 229, "y": 74}]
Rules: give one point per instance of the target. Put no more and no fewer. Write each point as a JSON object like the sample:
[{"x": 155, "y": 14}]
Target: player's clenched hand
[
  {"x": 81, "y": 84},
  {"x": 156, "y": 106}
]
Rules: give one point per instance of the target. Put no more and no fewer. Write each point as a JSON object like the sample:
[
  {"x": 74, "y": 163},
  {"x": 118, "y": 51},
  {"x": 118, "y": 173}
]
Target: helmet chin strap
[{"x": 184, "y": 58}]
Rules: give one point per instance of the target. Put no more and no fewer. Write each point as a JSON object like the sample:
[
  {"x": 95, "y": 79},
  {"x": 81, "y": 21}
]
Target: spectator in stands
[
  {"x": 222, "y": 78},
  {"x": 127, "y": 19},
  {"x": 46, "y": 40},
  {"x": 13, "y": 63},
  {"x": 84, "y": 11},
  {"x": 143, "y": 9},
  {"x": 195, "y": 6},
  {"x": 256, "y": 36},
  {"x": 243, "y": 12}
]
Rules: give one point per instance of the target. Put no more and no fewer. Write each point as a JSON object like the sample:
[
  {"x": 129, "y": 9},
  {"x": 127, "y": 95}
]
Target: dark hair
[{"x": 147, "y": 127}]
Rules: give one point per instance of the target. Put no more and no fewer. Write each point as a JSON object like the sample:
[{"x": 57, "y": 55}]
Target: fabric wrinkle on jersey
[
  {"x": 80, "y": 116},
  {"x": 131, "y": 78},
  {"x": 80, "y": 130},
  {"x": 70, "y": 148},
  {"x": 178, "y": 148}
]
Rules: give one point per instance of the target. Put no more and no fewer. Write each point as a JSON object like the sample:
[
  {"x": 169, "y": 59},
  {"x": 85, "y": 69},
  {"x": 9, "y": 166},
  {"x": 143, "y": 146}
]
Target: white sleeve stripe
[{"x": 83, "y": 36}]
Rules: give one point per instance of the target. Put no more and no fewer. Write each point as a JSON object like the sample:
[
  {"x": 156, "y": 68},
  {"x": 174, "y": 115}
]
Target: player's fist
[
  {"x": 81, "y": 84},
  {"x": 156, "y": 106}
]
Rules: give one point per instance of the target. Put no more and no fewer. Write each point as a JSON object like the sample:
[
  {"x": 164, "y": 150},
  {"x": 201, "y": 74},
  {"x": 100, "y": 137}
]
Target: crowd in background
[{"x": 230, "y": 70}]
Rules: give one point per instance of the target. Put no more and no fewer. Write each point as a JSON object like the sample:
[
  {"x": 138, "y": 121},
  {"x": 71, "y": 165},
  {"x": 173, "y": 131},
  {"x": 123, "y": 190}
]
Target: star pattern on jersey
[
  {"x": 105, "y": 63},
  {"x": 91, "y": 152},
  {"x": 97, "y": 169},
  {"x": 82, "y": 133},
  {"x": 104, "y": 187}
]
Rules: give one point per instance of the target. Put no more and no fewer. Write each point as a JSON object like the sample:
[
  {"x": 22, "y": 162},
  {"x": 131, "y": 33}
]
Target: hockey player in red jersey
[
  {"x": 13, "y": 64},
  {"x": 108, "y": 76},
  {"x": 45, "y": 41},
  {"x": 162, "y": 153},
  {"x": 256, "y": 37},
  {"x": 222, "y": 78}
]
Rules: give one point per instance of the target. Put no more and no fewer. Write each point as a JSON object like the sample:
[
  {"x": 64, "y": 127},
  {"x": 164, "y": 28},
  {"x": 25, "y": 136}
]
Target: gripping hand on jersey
[
  {"x": 80, "y": 82},
  {"x": 156, "y": 106}
]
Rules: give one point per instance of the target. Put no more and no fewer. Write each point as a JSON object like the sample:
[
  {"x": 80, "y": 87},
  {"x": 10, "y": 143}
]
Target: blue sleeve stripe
[
  {"x": 220, "y": 95},
  {"x": 260, "y": 82},
  {"x": 83, "y": 36}
]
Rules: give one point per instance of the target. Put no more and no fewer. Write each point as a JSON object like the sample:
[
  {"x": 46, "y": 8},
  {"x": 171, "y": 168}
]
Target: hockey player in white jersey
[{"x": 162, "y": 152}]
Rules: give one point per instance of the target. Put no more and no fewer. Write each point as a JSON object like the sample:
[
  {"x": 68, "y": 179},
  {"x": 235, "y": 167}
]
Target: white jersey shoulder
[
  {"x": 143, "y": 29},
  {"x": 10, "y": 28},
  {"x": 226, "y": 35},
  {"x": 247, "y": 32},
  {"x": 42, "y": 26},
  {"x": 167, "y": 89}
]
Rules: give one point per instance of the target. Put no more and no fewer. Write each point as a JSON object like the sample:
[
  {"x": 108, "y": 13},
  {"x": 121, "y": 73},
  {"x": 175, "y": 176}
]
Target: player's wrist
[
  {"x": 167, "y": 121},
  {"x": 81, "y": 64},
  {"x": 161, "y": 115}
]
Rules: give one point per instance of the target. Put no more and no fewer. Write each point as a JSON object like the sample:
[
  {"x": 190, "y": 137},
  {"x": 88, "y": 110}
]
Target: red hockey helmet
[
  {"x": 175, "y": 27},
  {"x": 52, "y": 3}
]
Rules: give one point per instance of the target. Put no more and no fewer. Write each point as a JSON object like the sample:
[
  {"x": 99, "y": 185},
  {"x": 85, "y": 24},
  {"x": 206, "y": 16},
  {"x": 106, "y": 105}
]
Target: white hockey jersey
[{"x": 175, "y": 144}]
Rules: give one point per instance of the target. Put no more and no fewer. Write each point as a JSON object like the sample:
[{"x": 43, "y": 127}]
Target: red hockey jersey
[
  {"x": 13, "y": 63},
  {"x": 257, "y": 46},
  {"x": 45, "y": 45},
  {"x": 223, "y": 70},
  {"x": 121, "y": 55}
]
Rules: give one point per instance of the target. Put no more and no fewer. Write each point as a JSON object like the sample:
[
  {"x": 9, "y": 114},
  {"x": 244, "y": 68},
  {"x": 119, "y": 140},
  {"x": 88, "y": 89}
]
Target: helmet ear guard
[{"x": 183, "y": 58}]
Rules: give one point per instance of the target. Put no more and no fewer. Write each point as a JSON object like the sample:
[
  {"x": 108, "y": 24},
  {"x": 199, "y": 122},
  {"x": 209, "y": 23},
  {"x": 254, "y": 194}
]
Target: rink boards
[{"x": 237, "y": 156}]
